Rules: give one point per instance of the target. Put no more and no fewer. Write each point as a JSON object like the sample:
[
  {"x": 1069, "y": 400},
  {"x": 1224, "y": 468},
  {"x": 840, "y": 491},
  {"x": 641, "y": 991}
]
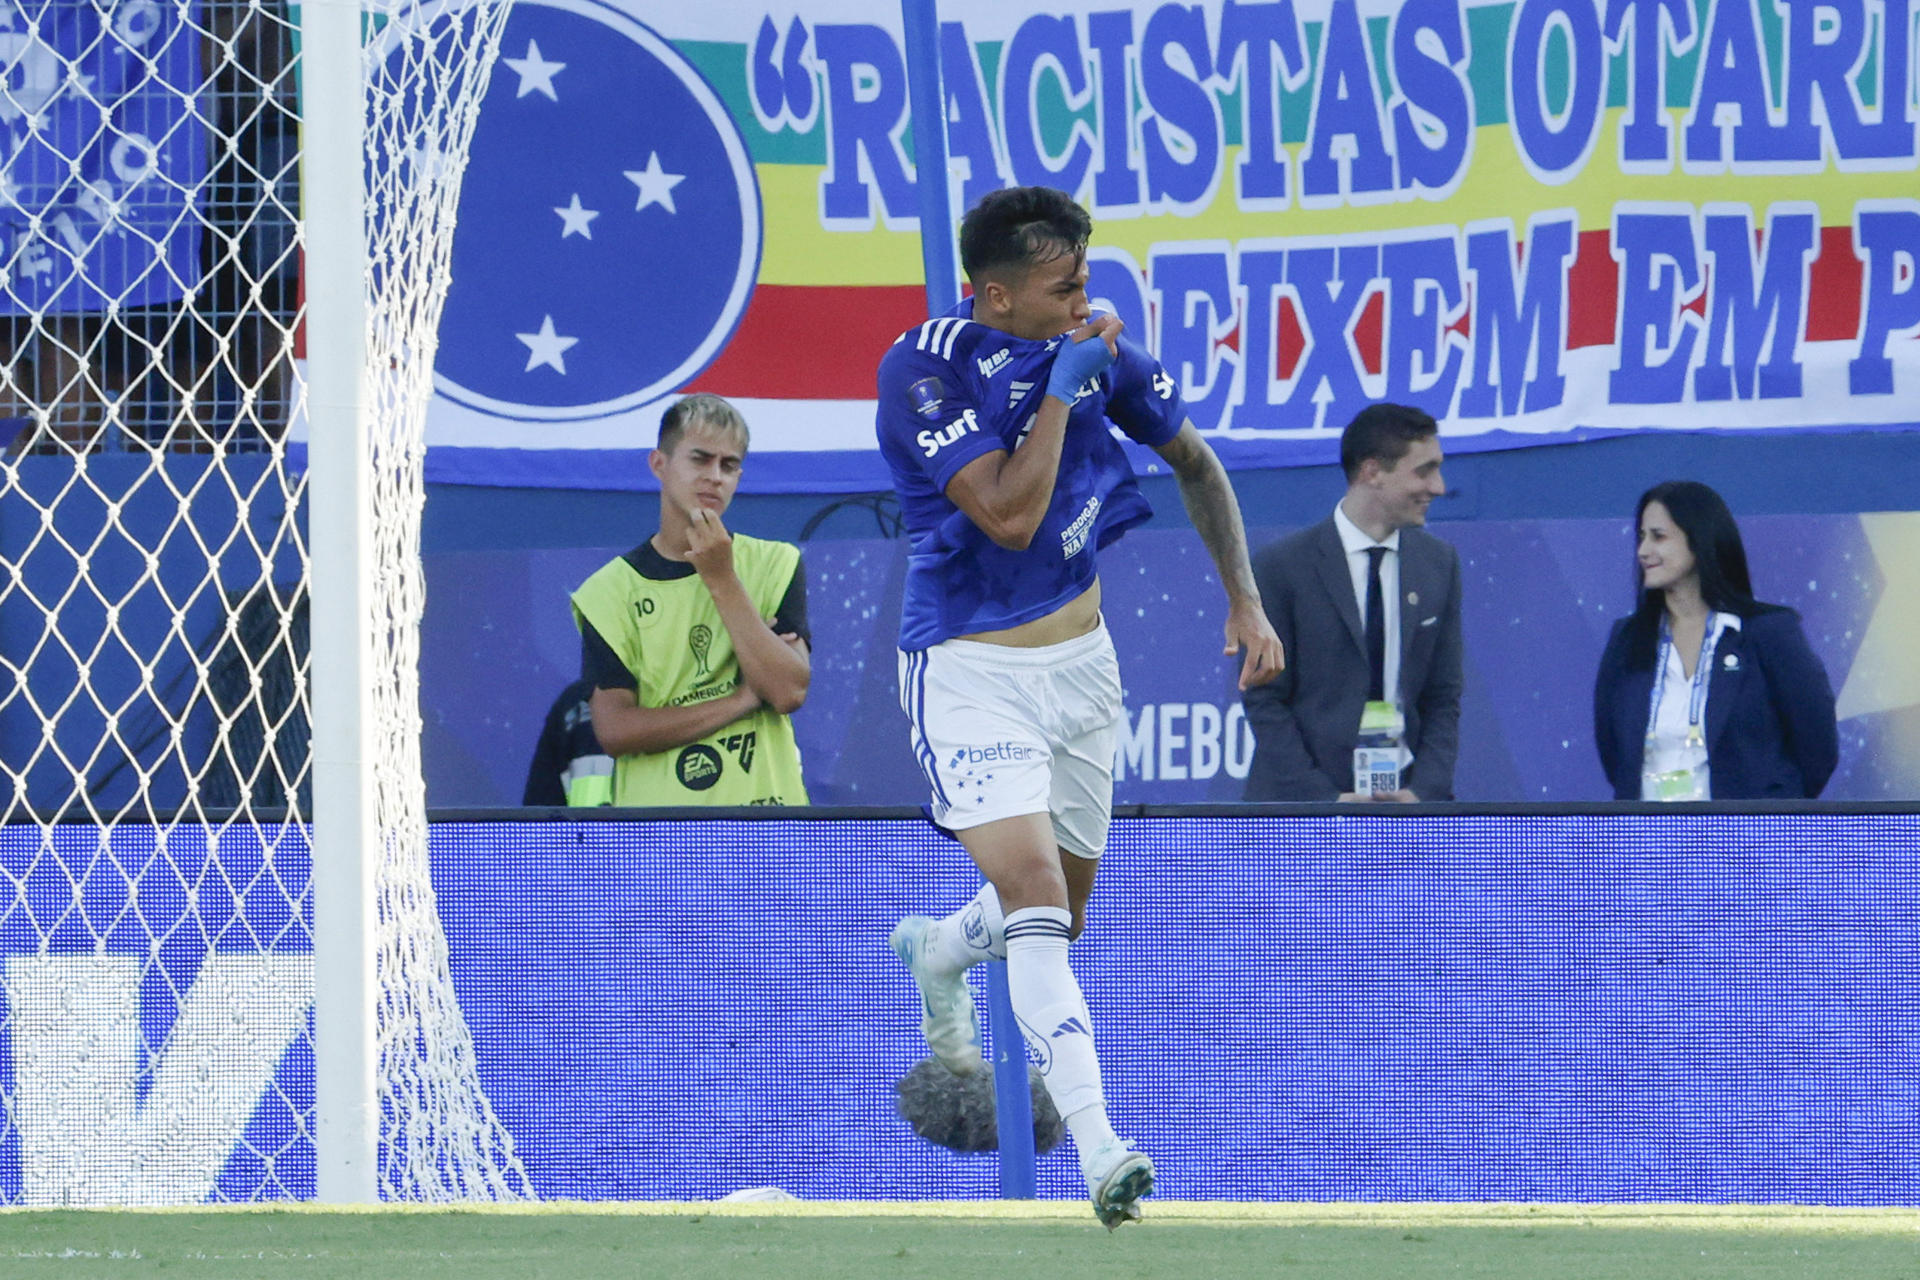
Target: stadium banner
[
  {"x": 103, "y": 153},
  {"x": 1627, "y": 1007},
  {"x": 1538, "y": 599},
  {"x": 1540, "y": 220}
]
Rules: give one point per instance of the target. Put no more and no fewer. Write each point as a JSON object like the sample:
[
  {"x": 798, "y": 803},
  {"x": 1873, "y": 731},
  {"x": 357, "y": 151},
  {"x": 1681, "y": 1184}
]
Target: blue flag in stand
[
  {"x": 101, "y": 139},
  {"x": 609, "y": 225}
]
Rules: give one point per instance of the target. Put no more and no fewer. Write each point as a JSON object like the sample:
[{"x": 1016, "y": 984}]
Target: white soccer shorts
[{"x": 1000, "y": 732}]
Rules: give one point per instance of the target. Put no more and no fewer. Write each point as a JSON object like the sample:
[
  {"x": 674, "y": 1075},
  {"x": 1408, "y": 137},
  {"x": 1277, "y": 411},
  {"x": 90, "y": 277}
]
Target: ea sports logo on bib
[
  {"x": 698, "y": 767},
  {"x": 609, "y": 227}
]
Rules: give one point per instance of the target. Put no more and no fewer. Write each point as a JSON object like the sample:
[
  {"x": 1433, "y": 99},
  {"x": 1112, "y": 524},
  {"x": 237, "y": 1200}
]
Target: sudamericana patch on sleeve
[{"x": 927, "y": 396}]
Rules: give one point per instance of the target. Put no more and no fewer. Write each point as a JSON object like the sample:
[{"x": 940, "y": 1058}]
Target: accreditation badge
[{"x": 1673, "y": 784}]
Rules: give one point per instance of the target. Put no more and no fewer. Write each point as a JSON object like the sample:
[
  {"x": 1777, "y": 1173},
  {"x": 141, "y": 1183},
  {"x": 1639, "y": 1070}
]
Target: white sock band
[{"x": 1051, "y": 1011}]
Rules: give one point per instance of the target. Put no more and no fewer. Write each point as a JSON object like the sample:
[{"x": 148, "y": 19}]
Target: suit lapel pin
[{"x": 1413, "y": 597}]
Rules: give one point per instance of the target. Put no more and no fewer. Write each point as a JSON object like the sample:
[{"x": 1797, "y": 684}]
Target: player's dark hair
[
  {"x": 1719, "y": 556},
  {"x": 1385, "y": 432},
  {"x": 707, "y": 410},
  {"x": 1021, "y": 226}
]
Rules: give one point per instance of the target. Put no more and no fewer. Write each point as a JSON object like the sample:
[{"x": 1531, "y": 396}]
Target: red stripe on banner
[
  {"x": 1833, "y": 288},
  {"x": 1369, "y": 329},
  {"x": 803, "y": 342},
  {"x": 1593, "y": 289},
  {"x": 810, "y": 342},
  {"x": 1698, "y": 303},
  {"x": 1292, "y": 343}
]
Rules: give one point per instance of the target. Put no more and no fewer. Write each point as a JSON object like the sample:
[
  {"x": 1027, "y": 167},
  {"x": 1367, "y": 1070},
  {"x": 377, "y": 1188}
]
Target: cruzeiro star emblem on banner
[{"x": 610, "y": 224}]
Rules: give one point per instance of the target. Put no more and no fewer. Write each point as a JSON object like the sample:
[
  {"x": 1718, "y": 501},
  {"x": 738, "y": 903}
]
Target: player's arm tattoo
[{"x": 1214, "y": 510}]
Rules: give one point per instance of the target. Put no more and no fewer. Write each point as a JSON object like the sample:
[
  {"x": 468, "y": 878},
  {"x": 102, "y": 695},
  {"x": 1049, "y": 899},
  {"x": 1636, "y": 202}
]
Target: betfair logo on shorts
[
  {"x": 998, "y": 753},
  {"x": 932, "y": 442}
]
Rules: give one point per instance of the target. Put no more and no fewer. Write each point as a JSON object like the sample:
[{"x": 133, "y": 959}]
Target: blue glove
[{"x": 1074, "y": 364}]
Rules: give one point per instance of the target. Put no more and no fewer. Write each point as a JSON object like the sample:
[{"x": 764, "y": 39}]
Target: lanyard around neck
[{"x": 1702, "y": 673}]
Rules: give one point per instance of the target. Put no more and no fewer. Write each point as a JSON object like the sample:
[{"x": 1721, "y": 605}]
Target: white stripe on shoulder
[{"x": 959, "y": 323}]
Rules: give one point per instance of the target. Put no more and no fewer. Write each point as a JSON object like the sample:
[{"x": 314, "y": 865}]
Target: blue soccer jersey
[{"x": 952, "y": 390}]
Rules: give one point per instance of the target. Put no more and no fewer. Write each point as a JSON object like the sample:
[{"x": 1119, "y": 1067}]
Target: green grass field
[{"x": 969, "y": 1241}]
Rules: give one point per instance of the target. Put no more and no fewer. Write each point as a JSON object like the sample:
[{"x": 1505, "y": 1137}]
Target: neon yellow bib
[{"x": 671, "y": 637}]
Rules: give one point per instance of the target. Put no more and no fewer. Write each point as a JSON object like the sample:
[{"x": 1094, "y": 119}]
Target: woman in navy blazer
[{"x": 1768, "y": 726}]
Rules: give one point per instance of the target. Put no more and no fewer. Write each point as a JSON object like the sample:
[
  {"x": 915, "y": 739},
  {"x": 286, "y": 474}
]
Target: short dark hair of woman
[
  {"x": 1719, "y": 557},
  {"x": 1383, "y": 431},
  {"x": 1019, "y": 227}
]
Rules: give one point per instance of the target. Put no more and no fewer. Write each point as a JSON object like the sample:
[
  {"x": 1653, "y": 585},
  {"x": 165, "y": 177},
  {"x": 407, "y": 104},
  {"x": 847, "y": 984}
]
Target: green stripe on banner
[{"x": 725, "y": 65}]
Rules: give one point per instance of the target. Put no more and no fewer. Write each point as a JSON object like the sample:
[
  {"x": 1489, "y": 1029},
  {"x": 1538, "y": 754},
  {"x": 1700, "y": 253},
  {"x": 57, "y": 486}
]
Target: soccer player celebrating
[{"x": 994, "y": 420}]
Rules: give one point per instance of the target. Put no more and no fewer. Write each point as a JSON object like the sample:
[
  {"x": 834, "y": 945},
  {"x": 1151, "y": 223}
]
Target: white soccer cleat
[
  {"x": 1118, "y": 1178},
  {"x": 947, "y": 1017}
]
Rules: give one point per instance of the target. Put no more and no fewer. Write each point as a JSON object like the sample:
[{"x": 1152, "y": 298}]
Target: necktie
[{"x": 1376, "y": 627}]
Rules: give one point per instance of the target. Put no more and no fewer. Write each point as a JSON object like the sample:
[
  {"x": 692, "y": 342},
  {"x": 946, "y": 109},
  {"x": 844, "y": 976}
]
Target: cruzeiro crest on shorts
[{"x": 610, "y": 226}]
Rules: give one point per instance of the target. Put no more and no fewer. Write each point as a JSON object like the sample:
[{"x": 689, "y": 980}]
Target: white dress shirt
[
  {"x": 1673, "y": 741},
  {"x": 1357, "y": 545}
]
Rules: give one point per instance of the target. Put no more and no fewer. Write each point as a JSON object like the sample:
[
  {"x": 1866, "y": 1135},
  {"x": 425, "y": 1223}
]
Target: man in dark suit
[{"x": 1367, "y": 605}]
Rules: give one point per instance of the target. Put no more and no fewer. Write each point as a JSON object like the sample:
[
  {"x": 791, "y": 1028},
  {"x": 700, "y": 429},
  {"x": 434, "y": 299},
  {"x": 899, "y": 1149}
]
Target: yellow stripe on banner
[
  {"x": 800, "y": 252},
  {"x": 1499, "y": 185}
]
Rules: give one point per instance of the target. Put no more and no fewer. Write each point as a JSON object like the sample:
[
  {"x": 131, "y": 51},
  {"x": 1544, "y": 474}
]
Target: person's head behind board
[
  {"x": 1683, "y": 529},
  {"x": 1024, "y": 250},
  {"x": 703, "y": 445},
  {"x": 1391, "y": 456}
]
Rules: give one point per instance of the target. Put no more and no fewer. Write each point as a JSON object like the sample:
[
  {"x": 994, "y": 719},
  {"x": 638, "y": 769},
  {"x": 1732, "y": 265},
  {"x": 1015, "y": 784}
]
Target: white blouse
[{"x": 1676, "y": 739}]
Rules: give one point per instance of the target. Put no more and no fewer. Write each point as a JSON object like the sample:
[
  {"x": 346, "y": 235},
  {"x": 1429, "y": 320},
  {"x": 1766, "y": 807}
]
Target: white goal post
[
  {"x": 225, "y": 229},
  {"x": 345, "y": 828}
]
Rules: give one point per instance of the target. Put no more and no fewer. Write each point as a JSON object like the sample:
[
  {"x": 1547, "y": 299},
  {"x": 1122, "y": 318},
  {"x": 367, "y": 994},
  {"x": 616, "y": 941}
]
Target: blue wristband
[{"x": 1075, "y": 364}]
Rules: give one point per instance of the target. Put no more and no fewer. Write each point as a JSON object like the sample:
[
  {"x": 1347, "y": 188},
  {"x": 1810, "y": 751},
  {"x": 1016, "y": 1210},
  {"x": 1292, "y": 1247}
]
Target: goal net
[{"x": 158, "y": 932}]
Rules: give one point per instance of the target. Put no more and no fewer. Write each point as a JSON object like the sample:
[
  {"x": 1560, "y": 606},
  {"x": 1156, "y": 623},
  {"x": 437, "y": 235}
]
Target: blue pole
[
  {"x": 928, "y": 101},
  {"x": 1013, "y": 1105}
]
